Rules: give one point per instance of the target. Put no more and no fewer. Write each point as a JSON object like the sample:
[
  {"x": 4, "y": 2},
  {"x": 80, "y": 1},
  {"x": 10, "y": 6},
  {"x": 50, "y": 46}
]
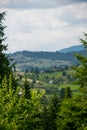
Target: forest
[{"x": 53, "y": 99}]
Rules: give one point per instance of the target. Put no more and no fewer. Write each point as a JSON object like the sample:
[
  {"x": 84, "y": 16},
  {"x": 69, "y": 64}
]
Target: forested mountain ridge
[
  {"x": 42, "y": 60},
  {"x": 69, "y": 56}
]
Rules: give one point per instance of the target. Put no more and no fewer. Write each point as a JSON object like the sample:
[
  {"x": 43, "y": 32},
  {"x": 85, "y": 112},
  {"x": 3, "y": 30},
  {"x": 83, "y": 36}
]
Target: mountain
[
  {"x": 76, "y": 48},
  {"x": 23, "y": 56},
  {"x": 43, "y": 60}
]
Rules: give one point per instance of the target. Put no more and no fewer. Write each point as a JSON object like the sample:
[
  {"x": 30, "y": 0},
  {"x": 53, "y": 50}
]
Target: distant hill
[
  {"x": 23, "y": 56},
  {"x": 42, "y": 60},
  {"x": 76, "y": 48},
  {"x": 66, "y": 54}
]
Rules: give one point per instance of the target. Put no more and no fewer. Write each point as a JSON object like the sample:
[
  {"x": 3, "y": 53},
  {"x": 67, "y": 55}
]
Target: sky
[{"x": 44, "y": 25}]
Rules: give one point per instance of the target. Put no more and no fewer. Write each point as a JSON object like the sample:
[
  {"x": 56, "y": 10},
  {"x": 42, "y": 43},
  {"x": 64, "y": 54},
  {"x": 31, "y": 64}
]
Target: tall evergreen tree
[
  {"x": 81, "y": 71},
  {"x": 5, "y": 68},
  {"x": 54, "y": 109},
  {"x": 73, "y": 113},
  {"x": 68, "y": 93},
  {"x": 27, "y": 88}
]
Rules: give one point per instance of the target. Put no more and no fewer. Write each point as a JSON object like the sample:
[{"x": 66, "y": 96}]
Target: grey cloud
[
  {"x": 29, "y": 4},
  {"x": 25, "y": 4},
  {"x": 71, "y": 19}
]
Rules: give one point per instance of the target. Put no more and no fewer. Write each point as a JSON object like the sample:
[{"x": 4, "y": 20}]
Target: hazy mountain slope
[
  {"x": 76, "y": 48},
  {"x": 26, "y": 56},
  {"x": 28, "y": 59}
]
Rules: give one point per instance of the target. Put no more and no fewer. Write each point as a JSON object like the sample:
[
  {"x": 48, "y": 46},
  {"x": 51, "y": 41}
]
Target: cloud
[
  {"x": 40, "y": 30},
  {"x": 74, "y": 15},
  {"x": 44, "y": 26},
  {"x": 31, "y": 4}
]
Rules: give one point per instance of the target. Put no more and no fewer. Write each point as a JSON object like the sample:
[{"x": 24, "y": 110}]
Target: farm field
[{"x": 50, "y": 82}]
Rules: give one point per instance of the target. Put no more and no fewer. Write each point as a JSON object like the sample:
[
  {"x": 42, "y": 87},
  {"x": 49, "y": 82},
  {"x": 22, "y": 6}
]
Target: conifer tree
[
  {"x": 27, "y": 88},
  {"x": 73, "y": 113},
  {"x": 68, "y": 93},
  {"x": 54, "y": 109},
  {"x": 5, "y": 68},
  {"x": 81, "y": 71}
]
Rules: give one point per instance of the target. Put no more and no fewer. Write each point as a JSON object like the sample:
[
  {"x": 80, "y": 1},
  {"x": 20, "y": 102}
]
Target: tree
[
  {"x": 54, "y": 109},
  {"x": 62, "y": 93},
  {"x": 5, "y": 68},
  {"x": 81, "y": 71},
  {"x": 18, "y": 112},
  {"x": 27, "y": 88},
  {"x": 64, "y": 73},
  {"x": 45, "y": 119},
  {"x": 73, "y": 114},
  {"x": 68, "y": 93},
  {"x": 49, "y": 114}
]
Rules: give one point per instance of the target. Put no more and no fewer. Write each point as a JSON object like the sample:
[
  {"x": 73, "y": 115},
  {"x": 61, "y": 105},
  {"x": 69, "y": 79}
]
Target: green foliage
[
  {"x": 81, "y": 71},
  {"x": 84, "y": 41},
  {"x": 64, "y": 73},
  {"x": 5, "y": 68},
  {"x": 27, "y": 88},
  {"x": 73, "y": 114},
  {"x": 7, "y": 103},
  {"x": 45, "y": 119},
  {"x": 62, "y": 93},
  {"x": 16, "y": 111},
  {"x": 49, "y": 114},
  {"x": 68, "y": 93}
]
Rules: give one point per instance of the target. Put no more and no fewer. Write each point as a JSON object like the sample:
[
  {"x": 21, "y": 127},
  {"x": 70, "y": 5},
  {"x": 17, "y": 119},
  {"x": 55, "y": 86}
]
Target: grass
[
  {"x": 50, "y": 75},
  {"x": 72, "y": 86}
]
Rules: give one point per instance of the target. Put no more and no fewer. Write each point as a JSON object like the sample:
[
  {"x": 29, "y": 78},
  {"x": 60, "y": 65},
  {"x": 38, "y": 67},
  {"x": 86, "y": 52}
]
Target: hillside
[
  {"x": 42, "y": 60},
  {"x": 23, "y": 55},
  {"x": 76, "y": 48}
]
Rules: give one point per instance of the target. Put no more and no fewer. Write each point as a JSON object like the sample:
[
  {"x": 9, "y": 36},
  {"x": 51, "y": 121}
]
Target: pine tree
[
  {"x": 68, "y": 93},
  {"x": 73, "y": 111},
  {"x": 45, "y": 119},
  {"x": 18, "y": 112},
  {"x": 54, "y": 109},
  {"x": 27, "y": 88},
  {"x": 5, "y": 68},
  {"x": 81, "y": 71}
]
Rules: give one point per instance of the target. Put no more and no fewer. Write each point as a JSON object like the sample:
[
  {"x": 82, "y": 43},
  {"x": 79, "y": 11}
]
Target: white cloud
[
  {"x": 3, "y": 2},
  {"x": 45, "y": 29}
]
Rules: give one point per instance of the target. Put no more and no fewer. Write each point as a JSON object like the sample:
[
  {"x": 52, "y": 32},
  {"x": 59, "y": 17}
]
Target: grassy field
[
  {"x": 49, "y": 82},
  {"x": 72, "y": 86}
]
